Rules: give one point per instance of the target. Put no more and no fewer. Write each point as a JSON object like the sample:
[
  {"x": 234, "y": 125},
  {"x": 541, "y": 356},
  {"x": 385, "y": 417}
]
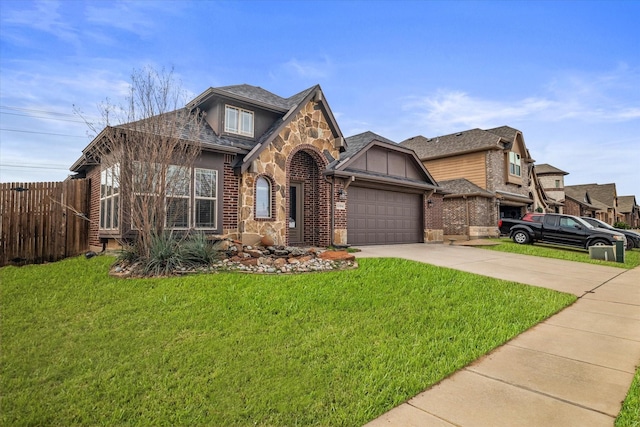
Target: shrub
[
  {"x": 169, "y": 252},
  {"x": 622, "y": 225},
  {"x": 196, "y": 250},
  {"x": 164, "y": 255}
]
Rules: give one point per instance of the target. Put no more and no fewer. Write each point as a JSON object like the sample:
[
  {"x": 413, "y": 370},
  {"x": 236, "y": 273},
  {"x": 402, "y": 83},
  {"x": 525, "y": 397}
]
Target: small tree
[{"x": 150, "y": 145}]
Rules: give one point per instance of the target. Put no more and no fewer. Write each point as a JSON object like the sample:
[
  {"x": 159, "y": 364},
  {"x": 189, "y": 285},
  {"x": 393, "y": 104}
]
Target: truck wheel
[{"x": 520, "y": 237}]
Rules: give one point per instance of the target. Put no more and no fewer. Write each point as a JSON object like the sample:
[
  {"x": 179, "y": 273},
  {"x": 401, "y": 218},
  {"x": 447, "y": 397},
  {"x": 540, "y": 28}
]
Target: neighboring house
[
  {"x": 577, "y": 202},
  {"x": 280, "y": 167},
  {"x": 604, "y": 197},
  {"x": 629, "y": 209},
  {"x": 552, "y": 181},
  {"x": 541, "y": 201},
  {"x": 495, "y": 164}
]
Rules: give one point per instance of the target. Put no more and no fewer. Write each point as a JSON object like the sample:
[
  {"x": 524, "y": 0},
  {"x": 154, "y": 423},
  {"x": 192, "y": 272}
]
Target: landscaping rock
[
  {"x": 337, "y": 256},
  {"x": 233, "y": 256}
]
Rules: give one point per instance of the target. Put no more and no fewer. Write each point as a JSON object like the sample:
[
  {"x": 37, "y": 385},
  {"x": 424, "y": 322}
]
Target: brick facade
[
  {"x": 93, "y": 175},
  {"x": 303, "y": 167},
  {"x": 433, "y": 218},
  {"x": 229, "y": 197},
  {"x": 473, "y": 217}
]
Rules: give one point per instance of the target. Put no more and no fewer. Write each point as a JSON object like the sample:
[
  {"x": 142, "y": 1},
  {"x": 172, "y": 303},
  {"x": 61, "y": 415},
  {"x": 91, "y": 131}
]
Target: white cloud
[
  {"x": 604, "y": 98},
  {"x": 309, "y": 69},
  {"x": 44, "y": 17}
]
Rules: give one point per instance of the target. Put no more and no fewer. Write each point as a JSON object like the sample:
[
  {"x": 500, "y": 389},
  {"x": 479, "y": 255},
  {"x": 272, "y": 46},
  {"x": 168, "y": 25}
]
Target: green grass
[
  {"x": 630, "y": 413},
  {"x": 632, "y": 257},
  {"x": 339, "y": 348}
]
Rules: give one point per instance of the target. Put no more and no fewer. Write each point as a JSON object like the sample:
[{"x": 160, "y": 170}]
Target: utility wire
[
  {"x": 8, "y": 166},
  {"x": 42, "y": 133},
  {"x": 54, "y": 113},
  {"x": 41, "y": 117}
]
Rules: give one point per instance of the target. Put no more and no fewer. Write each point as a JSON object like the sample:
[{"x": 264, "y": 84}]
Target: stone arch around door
[{"x": 307, "y": 198}]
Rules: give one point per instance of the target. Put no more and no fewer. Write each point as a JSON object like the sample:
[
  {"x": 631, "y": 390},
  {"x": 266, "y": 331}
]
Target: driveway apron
[{"x": 573, "y": 369}]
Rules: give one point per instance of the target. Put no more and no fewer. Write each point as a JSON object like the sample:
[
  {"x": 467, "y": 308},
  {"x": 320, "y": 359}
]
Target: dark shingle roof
[
  {"x": 506, "y": 132},
  {"x": 255, "y": 93},
  {"x": 626, "y": 203},
  {"x": 546, "y": 169},
  {"x": 463, "y": 186},
  {"x": 356, "y": 143},
  {"x": 455, "y": 143},
  {"x": 604, "y": 193}
]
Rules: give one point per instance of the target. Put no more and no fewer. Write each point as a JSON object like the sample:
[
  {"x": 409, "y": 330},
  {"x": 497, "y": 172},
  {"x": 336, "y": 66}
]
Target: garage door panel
[{"x": 383, "y": 217}]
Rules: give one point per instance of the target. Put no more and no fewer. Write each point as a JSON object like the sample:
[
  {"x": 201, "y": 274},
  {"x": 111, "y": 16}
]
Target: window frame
[
  {"x": 240, "y": 115},
  {"x": 178, "y": 194},
  {"x": 109, "y": 198},
  {"x": 258, "y": 214},
  {"x": 515, "y": 164},
  {"x": 214, "y": 199}
]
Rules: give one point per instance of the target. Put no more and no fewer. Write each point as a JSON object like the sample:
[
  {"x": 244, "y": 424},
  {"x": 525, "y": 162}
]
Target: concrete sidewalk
[{"x": 574, "y": 369}]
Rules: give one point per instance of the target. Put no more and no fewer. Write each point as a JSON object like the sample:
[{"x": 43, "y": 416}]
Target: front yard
[
  {"x": 632, "y": 257},
  {"x": 339, "y": 348}
]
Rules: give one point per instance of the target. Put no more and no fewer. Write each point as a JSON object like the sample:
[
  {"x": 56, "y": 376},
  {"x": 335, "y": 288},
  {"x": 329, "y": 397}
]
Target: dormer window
[
  {"x": 238, "y": 121},
  {"x": 514, "y": 163}
]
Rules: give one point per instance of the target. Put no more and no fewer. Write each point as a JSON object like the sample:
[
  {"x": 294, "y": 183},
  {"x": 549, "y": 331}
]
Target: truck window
[
  {"x": 550, "y": 220},
  {"x": 568, "y": 222}
]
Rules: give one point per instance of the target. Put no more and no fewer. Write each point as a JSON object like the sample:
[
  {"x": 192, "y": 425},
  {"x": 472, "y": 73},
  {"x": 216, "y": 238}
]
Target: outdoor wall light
[{"x": 429, "y": 203}]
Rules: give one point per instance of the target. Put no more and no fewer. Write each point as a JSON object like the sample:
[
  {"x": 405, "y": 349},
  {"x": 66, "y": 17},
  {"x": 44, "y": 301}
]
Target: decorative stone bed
[{"x": 234, "y": 256}]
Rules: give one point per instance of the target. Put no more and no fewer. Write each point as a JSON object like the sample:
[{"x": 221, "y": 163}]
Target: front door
[{"x": 296, "y": 211}]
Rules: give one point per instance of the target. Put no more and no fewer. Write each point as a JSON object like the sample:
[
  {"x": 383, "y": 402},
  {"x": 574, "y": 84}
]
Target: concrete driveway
[
  {"x": 573, "y": 369},
  {"x": 565, "y": 276}
]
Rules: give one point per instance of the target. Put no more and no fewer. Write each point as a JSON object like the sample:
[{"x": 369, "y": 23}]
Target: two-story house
[
  {"x": 486, "y": 173},
  {"x": 280, "y": 167},
  {"x": 603, "y": 196},
  {"x": 552, "y": 181}
]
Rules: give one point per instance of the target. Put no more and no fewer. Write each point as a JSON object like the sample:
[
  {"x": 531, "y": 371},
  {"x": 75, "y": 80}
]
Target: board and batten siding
[{"x": 471, "y": 166}]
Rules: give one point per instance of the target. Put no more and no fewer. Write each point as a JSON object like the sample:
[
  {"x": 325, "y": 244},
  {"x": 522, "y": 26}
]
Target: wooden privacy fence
[{"x": 43, "y": 221}]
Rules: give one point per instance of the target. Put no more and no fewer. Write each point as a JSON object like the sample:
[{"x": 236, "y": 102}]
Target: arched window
[{"x": 263, "y": 198}]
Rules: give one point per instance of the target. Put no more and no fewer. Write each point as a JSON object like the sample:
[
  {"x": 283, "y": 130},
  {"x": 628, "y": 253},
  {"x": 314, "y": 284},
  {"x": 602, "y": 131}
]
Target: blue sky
[{"x": 565, "y": 73}]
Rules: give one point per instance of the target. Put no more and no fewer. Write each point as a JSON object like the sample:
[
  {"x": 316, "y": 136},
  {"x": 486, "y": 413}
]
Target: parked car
[
  {"x": 559, "y": 229},
  {"x": 633, "y": 238}
]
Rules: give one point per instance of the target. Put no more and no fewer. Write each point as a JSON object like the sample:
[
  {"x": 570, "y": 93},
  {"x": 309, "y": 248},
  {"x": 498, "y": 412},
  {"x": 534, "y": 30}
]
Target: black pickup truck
[{"x": 558, "y": 229}]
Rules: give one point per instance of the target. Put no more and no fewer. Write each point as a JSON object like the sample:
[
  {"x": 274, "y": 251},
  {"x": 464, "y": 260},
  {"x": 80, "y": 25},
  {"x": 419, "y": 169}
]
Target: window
[
  {"x": 263, "y": 198},
  {"x": 238, "y": 121},
  {"x": 557, "y": 183},
  {"x": 184, "y": 207},
  {"x": 109, "y": 197},
  {"x": 514, "y": 163},
  {"x": 178, "y": 191},
  {"x": 205, "y": 198},
  {"x": 568, "y": 223}
]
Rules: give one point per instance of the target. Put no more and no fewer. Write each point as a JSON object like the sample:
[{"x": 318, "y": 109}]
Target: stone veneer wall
[{"x": 308, "y": 128}]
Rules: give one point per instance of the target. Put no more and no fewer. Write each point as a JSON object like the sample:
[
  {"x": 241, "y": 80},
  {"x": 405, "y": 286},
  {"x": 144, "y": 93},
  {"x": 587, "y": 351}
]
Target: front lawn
[
  {"x": 629, "y": 415},
  {"x": 632, "y": 257},
  {"x": 339, "y": 348}
]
